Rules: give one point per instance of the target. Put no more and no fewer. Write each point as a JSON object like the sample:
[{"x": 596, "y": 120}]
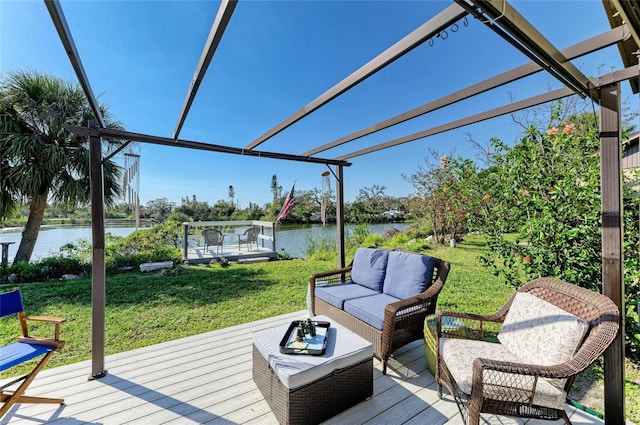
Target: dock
[{"x": 232, "y": 249}]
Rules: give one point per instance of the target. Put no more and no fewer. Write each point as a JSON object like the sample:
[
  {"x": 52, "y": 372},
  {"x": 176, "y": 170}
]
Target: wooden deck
[{"x": 206, "y": 379}]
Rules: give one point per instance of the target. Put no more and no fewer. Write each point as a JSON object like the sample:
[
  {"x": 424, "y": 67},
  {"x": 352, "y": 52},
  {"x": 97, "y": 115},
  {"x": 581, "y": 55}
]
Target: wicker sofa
[{"x": 383, "y": 296}]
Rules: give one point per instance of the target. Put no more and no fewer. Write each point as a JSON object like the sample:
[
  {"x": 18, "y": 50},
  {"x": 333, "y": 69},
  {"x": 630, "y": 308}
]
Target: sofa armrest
[
  {"x": 331, "y": 277},
  {"x": 403, "y": 313}
]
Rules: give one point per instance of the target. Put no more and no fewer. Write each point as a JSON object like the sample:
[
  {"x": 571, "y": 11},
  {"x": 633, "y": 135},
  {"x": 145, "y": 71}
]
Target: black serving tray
[{"x": 311, "y": 345}]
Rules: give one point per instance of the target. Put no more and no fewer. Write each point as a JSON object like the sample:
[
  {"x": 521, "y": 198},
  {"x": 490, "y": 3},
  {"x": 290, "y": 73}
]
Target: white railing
[{"x": 237, "y": 227}]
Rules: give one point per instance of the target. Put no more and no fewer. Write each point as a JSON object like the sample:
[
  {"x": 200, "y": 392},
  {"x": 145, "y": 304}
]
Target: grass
[{"x": 144, "y": 309}]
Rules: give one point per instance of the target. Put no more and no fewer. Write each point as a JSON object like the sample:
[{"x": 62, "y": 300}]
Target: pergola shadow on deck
[{"x": 206, "y": 379}]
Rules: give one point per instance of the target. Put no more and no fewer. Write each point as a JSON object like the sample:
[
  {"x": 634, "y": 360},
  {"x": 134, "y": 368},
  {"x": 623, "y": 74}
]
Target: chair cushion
[
  {"x": 408, "y": 274},
  {"x": 459, "y": 355},
  {"x": 540, "y": 333},
  {"x": 369, "y": 267},
  {"x": 336, "y": 295},
  {"x": 20, "y": 352},
  {"x": 369, "y": 309}
]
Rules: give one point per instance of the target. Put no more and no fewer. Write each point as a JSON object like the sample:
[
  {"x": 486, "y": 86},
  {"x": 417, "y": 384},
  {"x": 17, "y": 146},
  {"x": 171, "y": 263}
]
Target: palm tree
[{"x": 40, "y": 160}]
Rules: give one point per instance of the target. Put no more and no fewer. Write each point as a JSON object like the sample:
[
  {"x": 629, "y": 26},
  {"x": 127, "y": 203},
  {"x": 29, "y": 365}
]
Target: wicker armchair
[
  {"x": 403, "y": 320},
  {"x": 212, "y": 237},
  {"x": 574, "y": 326}
]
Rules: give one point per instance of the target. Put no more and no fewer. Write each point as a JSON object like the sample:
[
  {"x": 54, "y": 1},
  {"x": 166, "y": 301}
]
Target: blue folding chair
[{"x": 25, "y": 349}]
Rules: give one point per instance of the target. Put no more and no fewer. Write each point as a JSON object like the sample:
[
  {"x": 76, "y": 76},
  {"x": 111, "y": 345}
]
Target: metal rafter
[
  {"x": 585, "y": 47},
  {"x": 617, "y": 76},
  {"x": 504, "y": 20},
  {"x": 165, "y": 141},
  {"x": 215, "y": 35},
  {"x": 630, "y": 14},
  {"x": 59, "y": 21},
  {"x": 427, "y": 30}
]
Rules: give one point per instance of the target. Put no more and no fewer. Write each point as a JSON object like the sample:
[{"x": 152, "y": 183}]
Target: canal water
[{"x": 293, "y": 239}]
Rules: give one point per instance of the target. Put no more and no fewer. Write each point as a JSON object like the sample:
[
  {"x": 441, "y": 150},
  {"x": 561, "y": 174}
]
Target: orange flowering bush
[
  {"x": 557, "y": 230},
  {"x": 569, "y": 128},
  {"x": 544, "y": 214}
]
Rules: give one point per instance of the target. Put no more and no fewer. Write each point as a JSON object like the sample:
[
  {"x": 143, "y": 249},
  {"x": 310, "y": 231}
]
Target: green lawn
[{"x": 149, "y": 308}]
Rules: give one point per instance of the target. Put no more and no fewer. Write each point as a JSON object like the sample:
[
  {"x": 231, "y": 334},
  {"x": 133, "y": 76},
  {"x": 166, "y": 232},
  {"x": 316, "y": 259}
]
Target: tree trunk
[{"x": 31, "y": 229}]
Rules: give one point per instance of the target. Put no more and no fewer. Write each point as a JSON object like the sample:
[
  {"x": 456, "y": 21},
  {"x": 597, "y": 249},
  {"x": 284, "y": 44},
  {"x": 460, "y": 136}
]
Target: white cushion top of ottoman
[{"x": 344, "y": 349}]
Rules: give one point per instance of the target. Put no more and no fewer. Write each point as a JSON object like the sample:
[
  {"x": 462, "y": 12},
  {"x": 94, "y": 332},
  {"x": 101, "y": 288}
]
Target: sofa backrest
[
  {"x": 369, "y": 268},
  {"x": 408, "y": 274}
]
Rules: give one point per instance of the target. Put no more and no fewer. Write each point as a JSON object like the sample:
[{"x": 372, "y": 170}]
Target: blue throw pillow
[
  {"x": 369, "y": 267},
  {"x": 408, "y": 274}
]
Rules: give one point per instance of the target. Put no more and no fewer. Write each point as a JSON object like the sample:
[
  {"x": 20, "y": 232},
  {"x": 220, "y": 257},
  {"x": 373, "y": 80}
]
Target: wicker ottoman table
[{"x": 303, "y": 389}]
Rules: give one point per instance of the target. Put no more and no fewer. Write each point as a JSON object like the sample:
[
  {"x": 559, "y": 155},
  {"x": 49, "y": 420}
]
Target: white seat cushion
[
  {"x": 344, "y": 349},
  {"x": 459, "y": 355}
]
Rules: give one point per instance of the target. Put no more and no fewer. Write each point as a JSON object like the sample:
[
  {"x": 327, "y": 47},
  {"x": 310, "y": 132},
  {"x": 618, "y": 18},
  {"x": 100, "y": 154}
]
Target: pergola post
[
  {"x": 98, "y": 273},
  {"x": 340, "y": 215},
  {"x": 612, "y": 252}
]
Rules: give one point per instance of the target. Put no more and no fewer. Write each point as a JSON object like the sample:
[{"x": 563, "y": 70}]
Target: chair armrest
[
  {"x": 57, "y": 321},
  {"x": 558, "y": 371},
  {"x": 42, "y": 341},
  {"x": 49, "y": 319},
  {"x": 473, "y": 324},
  {"x": 519, "y": 379}
]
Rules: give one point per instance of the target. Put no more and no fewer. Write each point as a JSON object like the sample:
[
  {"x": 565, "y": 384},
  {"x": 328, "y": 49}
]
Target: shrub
[
  {"x": 373, "y": 240},
  {"x": 55, "y": 267},
  {"x": 360, "y": 233},
  {"x": 320, "y": 248},
  {"x": 23, "y": 273},
  {"x": 118, "y": 263}
]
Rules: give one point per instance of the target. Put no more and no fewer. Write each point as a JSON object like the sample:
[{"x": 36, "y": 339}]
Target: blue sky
[{"x": 276, "y": 57}]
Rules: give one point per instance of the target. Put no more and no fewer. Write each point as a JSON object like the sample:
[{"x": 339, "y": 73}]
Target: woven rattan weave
[
  {"x": 403, "y": 320},
  {"x": 511, "y": 391}
]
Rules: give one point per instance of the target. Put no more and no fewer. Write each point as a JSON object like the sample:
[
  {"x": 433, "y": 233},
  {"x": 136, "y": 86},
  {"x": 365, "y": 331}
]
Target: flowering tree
[
  {"x": 546, "y": 189},
  {"x": 540, "y": 211},
  {"x": 443, "y": 189}
]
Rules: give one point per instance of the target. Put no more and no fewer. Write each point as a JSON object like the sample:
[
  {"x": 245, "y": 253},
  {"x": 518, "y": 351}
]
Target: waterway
[{"x": 293, "y": 239}]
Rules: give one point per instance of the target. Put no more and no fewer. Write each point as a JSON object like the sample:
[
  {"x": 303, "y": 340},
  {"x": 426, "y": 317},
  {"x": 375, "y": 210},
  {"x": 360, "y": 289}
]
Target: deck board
[{"x": 207, "y": 379}]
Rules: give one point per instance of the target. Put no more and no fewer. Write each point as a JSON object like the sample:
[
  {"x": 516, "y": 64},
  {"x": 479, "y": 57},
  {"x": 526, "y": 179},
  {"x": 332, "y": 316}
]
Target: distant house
[{"x": 391, "y": 214}]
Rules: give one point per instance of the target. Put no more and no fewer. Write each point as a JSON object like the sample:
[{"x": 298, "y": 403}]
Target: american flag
[{"x": 288, "y": 204}]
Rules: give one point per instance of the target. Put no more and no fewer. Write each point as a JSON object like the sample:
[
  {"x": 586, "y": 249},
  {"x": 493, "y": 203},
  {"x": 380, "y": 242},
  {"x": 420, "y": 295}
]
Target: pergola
[{"x": 499, "y": 17}]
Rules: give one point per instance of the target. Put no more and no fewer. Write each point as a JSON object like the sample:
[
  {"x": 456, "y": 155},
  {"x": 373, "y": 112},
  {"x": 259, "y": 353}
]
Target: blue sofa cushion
[
  {"x": 369, "y": 309},
  {"x": 369, "y": 267},
  {"x": 408, "y": 274},
  {"x": 337, "y": 294}
]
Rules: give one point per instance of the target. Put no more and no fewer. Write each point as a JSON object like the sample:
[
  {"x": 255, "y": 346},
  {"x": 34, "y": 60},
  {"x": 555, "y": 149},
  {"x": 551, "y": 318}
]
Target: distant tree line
[{"x": 372, "y": 205}]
